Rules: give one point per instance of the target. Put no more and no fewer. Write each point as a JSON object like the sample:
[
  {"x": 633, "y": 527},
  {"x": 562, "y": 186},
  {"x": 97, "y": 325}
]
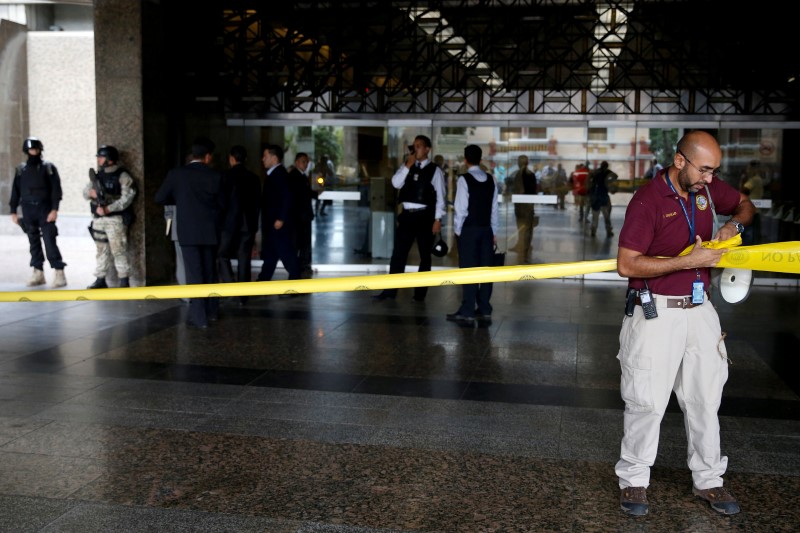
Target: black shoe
[
  {"x": 124, "y": 282},
  {"x": 383, "y": 296},
  {"x": 458, "y": 317},
  {"x": 483, "y": 318},
  {"x": 99, "y": 283},
  {"x": 192, "y": 325}
]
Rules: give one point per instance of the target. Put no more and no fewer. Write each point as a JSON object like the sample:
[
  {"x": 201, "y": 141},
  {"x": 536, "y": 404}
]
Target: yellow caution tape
[{"x": 777, "y": 257}]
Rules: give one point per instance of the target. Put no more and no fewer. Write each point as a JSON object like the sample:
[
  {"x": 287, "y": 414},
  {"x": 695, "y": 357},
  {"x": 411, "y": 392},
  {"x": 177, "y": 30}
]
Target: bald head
[{"x": 700, "y": 145}]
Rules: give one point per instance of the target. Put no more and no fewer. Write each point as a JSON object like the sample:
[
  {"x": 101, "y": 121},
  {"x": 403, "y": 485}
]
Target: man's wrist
[{"x": 738, "y": 225}]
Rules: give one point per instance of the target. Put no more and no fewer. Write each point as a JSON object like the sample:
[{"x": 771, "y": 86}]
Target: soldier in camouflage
[{"x": 110, "y": 192}]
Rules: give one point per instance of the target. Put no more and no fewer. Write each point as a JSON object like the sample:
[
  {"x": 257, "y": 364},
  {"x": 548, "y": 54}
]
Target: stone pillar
[
  {"x": 118, "y": 73},
  {"x": 13, "y": 104}
]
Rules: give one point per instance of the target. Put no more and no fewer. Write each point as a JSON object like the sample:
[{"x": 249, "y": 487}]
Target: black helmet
[
  {"x": 32, "y": 142},
  {"x": 109, "y": 152},
  {"x": 440, "y": 248}
]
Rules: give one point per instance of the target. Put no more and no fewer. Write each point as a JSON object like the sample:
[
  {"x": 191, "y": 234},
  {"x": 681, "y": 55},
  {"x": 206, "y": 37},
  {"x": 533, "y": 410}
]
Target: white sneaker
[
  {"x": 37, "y": 278},
  {"x": 59, "y": 280}
]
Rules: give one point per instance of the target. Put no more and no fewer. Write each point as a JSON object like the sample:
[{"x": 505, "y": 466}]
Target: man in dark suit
[
  {"x": 198, "y": 192},
  {"x": 241, "y": 218},
  {"x": 276, "y": 218},
  {"x": 302, "y": 211}
]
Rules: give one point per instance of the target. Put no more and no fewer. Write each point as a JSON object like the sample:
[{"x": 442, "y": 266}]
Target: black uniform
[{"x": 37, "y": 188}]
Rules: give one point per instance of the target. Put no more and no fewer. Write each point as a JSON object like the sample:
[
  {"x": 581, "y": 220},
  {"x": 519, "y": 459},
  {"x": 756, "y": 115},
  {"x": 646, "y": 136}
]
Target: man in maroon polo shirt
[{"x": 671, "y": 339}]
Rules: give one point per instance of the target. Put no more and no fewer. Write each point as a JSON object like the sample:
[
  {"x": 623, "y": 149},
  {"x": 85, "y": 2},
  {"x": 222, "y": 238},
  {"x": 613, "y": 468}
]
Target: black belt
[
  {"x": 676, "y": 303},
  {"x": 414, "y": 209}
]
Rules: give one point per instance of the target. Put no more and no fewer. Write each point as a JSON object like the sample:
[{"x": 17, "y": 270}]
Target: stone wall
[{"x": 61, "y": 93}]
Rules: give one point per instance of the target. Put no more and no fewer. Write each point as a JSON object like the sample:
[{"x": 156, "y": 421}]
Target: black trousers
[
  {"x": 475, "y": 249},
  {"x": 302, "y": 242},
  {"x": 38, "y": 230},
  {"x": 278, "y": 244},
  {"x": 412, "y": 226},
  {"x": 200, "y": 263},
  {"x": 240, "y": 246}
]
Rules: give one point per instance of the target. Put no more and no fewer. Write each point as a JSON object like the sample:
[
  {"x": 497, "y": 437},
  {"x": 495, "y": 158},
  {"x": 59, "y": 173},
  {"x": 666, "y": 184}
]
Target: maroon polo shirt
[{"x": 655, "y": 225}]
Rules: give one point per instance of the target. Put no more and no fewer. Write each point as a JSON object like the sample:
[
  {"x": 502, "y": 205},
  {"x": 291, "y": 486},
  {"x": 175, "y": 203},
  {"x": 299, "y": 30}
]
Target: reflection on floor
[{"x": 331, "y": 412}]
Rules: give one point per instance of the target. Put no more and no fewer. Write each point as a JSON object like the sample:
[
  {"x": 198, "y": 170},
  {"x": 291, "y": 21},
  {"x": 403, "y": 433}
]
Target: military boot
[
  {"x": 99, "y": 283},
  {"x": 59, "y": 280},
  {"x": 37, "y": 278},
  {"x": 124, "y": 282}
]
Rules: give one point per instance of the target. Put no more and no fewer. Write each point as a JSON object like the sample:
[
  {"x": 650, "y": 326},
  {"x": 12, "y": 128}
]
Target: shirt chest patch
[{"x": 701, "y": 202}]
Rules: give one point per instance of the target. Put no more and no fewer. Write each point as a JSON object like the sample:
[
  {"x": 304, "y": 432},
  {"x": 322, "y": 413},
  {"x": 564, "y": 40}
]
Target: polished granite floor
[{"x": 332, "y": 412}]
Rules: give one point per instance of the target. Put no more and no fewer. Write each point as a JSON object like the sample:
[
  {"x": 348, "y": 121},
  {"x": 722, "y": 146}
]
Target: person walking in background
[
  {"x": 327, "y": 171},
  {"x": 110, "y": 192},
  {"x": 240, "y": 225},
  {"x": 599, "y": 196},
  {"x": 671, "y": 339},
  {"x": 301, "y": 210},
  {"x": 198, "y": 193},
  {"x": 37, "y": 190},
  {"x": 578, "y": 180},
  {"x": 277, "y": 237},
  {"x": 561, "y": 186},
  {"x": 421, "y": 186},
  {"x": 752, "y": 185},
  {"x": 524, "y": 182},
  {"x": 475, "y": 221}
]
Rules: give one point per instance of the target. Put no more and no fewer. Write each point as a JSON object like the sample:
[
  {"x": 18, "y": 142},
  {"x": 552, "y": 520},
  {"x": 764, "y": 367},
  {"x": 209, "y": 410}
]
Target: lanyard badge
[{"x": 698, "y": 290}]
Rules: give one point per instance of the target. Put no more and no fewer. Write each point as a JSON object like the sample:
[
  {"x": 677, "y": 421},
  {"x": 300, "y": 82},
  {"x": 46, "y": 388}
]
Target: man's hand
[
  {"x": 278, "y": 224},
  {"x": 727, "y": 231},
  {"x": 705, "y": 257},
  {"x": 101, "y": 211},
  {"x": 437, "y": 226},
  {"x": 15, "y": 219},
  {"x": 52, "y": 216},
  {"x": 92, "y": 193}
]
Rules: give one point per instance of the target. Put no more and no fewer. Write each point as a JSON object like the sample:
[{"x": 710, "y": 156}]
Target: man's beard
[{"x": 685, "y": 182}]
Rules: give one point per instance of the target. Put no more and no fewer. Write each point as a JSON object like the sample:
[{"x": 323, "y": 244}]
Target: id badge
[{"x": 698, "y": 292}]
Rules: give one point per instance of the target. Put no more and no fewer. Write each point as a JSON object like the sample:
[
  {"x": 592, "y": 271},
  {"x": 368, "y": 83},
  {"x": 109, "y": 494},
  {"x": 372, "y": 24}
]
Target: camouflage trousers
[{"x": 111, "y": 239}]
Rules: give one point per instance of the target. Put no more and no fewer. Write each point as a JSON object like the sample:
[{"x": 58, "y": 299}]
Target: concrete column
[{"x": 118, "y": 73}]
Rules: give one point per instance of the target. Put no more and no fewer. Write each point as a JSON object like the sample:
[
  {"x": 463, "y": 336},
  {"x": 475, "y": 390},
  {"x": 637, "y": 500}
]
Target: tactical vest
[
  {"x": 479, "y": 210},
  {"x": 418, "y": 187},
  {"x": 112, "y": 190},
  {"x": 35, "y": 182}
]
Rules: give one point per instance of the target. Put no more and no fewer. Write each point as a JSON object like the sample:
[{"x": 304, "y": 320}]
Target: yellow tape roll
[{"x": 777, "y": 257}]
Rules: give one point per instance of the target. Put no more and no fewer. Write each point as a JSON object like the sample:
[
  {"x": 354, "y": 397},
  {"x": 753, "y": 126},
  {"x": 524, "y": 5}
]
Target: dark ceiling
[{"x": 258, "y": 57}]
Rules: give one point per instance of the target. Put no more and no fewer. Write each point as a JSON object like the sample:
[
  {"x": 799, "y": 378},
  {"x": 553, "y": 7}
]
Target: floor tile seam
[{"x": 472, "y": 384}]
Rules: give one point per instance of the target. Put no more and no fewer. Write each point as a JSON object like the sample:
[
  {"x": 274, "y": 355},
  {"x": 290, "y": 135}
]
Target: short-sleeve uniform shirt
[{"x": 655, "y": 225}]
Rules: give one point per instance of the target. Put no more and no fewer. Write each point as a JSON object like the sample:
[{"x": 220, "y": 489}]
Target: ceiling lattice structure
[{"x": 486, "y": 57}]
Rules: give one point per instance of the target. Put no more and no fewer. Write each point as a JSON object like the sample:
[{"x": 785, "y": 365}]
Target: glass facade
[{"x": 353, "y": 162}]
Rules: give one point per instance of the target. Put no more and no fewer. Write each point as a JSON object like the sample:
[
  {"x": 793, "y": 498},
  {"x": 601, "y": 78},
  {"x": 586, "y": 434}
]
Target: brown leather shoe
[
  {"x": 720, "y": 499},
  {"x": 633, "y": 500}
]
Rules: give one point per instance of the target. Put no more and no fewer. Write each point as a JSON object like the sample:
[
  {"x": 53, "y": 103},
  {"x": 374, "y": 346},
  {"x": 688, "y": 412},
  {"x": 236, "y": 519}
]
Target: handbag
[{"x": 499, "y": 258}]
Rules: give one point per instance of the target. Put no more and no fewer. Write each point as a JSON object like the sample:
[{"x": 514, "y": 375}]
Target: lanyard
[{"x": 683, "y": 207}]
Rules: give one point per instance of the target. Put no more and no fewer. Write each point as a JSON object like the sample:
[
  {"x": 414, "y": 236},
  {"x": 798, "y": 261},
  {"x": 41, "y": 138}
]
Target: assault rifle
[{"x": 100, "y": 200}]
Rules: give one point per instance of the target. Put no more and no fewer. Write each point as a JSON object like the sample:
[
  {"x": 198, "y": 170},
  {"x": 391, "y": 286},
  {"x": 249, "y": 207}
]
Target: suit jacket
[
  {"x": 300, "y": 188},
  {"x": 244, "y": 200},
  {"x": 197, "y": 192},
  {"x": 276, "y": 200}
]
